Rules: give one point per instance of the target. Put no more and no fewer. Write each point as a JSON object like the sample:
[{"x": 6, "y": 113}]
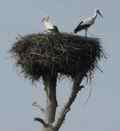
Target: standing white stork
[
  {"x": 88, "y": 22},
  {"x": 49, "y": 26}
]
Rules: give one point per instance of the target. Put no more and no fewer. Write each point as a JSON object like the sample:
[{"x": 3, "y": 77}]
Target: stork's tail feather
[
  {"x": 75, "y": 30},
  {"x": 78, "y": 28}
]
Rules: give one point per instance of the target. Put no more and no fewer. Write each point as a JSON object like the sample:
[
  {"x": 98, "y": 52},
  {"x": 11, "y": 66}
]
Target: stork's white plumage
[
  {"x": 49, "y": 26},
  {"x": 88, "y": 22}
]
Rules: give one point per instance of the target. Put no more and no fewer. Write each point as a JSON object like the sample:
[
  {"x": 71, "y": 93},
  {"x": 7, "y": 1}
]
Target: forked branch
[{"x": 75, "y": 90}]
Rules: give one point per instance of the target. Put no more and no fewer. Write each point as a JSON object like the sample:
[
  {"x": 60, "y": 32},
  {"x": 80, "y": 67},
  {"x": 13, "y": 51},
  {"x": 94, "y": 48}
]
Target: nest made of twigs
[{"x": 63, "y": 53}]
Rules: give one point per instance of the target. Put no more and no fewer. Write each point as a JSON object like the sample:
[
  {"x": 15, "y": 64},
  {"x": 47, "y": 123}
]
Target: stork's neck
[
  {"x": 48, "y": 25},
  {"x": 95, "y": 15},
  {"x": 46, "y": 21}
]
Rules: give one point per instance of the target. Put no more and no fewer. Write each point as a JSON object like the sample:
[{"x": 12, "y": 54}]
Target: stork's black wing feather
[
  {"x": 78, "y": 28},
  {"x": 55, "y": 29},
  {"x": 81, "y": 22}
]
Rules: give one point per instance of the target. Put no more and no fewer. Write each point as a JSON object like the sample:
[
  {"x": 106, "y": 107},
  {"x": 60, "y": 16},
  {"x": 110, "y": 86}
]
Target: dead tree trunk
[
  {"x": 50, "y": 89},
  {"x": 50, "y": 124}
]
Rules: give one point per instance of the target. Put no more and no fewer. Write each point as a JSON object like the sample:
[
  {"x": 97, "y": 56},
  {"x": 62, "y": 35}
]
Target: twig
[
  {"x": 39, "y": 107},
  {"x": 48, "y": 126},
  {"x": 99, "y": 68},
  {"x": 41, "y": 121}
]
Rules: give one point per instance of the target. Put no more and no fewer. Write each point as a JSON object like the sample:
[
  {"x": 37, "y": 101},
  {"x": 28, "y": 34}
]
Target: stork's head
[
  {"x": 46, "y": 18},
  {"x": 99, "y": 13}
]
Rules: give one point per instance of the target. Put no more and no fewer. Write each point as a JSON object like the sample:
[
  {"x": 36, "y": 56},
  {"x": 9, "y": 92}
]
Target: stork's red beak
[
  {"x": 46, "y": 18},
  {"x": 99, "y": 12},
  {"x": 42, "y": 20}
]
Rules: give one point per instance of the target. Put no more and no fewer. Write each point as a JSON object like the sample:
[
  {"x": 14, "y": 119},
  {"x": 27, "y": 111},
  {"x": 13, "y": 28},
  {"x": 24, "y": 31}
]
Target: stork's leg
[{"x": 86, "y": 32}]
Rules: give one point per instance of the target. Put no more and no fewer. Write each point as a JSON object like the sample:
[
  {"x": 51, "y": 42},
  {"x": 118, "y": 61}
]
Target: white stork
[
  {"x": 88, "y": 22},
  {"x": 50, "y": 27}
]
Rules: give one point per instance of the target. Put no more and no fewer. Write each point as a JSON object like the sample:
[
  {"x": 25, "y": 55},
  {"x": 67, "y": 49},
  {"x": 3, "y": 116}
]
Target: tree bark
[
  {"x": 51, "y": 101},
  {"x": 47, "y": 129}
]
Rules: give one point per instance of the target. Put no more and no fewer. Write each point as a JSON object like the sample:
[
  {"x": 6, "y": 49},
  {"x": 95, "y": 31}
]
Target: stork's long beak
[
  {"x": 42, "y": 20},
  {"x": 100, "y": 14},
  {"x": 46, "y": 18}
]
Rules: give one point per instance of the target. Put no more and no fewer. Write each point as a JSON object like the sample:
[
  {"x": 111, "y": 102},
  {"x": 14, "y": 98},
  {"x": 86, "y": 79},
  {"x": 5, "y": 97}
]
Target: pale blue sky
[{"x": 101, "y": 113}]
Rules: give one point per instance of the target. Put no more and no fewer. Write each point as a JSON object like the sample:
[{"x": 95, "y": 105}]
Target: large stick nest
[{"x": 66, "y": 54}]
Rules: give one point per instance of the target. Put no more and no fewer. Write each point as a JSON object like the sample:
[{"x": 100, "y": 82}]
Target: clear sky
[{"x": 101, "y": 113}]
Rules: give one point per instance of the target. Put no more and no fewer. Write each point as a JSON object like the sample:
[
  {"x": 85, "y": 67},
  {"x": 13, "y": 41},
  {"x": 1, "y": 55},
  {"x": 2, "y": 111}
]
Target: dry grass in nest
[{"x": 49, "y": 53}]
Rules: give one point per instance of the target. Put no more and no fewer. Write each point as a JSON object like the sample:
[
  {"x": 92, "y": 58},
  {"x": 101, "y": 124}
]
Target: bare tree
[{"x": 47, "y": 55}]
